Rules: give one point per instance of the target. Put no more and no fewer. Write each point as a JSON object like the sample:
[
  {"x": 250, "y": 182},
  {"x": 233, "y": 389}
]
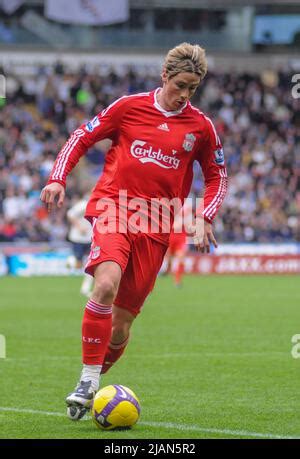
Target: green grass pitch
[{"x": 210, "y": 360}]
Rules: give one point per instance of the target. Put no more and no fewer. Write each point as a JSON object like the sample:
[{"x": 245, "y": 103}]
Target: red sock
[
  {"x": 96, "y": 332},
  {"x": 179, "y": 272},
  {"x": 113, "y": 353}
]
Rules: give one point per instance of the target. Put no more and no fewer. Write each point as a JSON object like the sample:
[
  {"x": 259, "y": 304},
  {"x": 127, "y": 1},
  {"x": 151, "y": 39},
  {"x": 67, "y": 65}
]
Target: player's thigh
[
  {"x": 107, "y": 262},
  {"x": 114, "y": 247},
  {"x": 140, "y": 275}
]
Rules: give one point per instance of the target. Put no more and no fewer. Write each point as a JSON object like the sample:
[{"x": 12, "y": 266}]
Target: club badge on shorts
[
  {"x": 95, "y": 252},
  {"x": 188, "y": 142}
]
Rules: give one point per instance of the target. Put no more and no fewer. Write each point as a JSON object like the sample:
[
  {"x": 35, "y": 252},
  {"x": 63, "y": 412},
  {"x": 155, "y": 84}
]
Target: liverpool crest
[
  {"x": 188, "y": 142},
  {"x": 95, "y": 252}
]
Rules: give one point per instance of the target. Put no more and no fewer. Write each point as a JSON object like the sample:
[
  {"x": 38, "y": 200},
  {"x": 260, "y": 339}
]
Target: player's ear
[{"x": 164, "y": 76}]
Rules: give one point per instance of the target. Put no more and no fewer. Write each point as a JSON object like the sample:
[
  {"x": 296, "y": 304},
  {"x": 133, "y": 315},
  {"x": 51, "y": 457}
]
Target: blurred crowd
[{"x": 256, "y": 117}]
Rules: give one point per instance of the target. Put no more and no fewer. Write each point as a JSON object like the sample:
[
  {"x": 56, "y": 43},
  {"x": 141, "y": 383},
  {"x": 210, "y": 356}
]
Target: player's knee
[{"x": 105, "y": 290}]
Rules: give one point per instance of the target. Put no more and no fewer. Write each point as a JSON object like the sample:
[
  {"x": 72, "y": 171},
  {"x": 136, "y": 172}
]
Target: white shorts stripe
[{"x": 94, "y": 221}]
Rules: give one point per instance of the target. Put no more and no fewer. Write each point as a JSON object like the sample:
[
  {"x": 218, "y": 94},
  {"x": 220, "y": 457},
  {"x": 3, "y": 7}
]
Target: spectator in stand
[{"x": 80, "y": 235}]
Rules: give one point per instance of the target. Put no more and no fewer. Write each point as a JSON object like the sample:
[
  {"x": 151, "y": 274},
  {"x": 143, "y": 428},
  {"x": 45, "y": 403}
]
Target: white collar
[{"x": 162, "y": 110}]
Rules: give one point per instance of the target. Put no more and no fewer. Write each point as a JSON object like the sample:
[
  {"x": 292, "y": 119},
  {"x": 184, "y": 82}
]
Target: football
[{"x": 115, "y": 407}]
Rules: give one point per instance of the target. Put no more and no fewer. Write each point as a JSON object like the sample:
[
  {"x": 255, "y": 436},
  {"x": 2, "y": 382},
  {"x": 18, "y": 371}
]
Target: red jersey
[{"x": 151, "y": 156}]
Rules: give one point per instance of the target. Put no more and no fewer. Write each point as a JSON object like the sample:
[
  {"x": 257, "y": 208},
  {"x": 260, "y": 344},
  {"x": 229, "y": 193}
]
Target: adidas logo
[{"x": 163, "y": 127}]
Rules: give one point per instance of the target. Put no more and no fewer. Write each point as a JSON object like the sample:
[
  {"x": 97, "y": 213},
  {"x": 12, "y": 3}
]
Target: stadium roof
[
  {"x": 211, "y": 4},
  {"x": 207, "y": 3}
]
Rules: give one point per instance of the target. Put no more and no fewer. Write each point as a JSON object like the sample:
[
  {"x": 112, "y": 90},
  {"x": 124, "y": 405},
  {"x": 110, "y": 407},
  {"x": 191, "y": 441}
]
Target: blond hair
[{"x": 186, "y": 58}]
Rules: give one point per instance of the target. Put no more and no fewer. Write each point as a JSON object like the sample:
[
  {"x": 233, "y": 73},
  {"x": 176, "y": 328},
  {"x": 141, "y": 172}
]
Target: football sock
[
  {"x": 179, "y": 272},
  {"x": 91, "y": 373},
  {"x": 96, "y": 332},
  {"x": 113, "y": 353}
]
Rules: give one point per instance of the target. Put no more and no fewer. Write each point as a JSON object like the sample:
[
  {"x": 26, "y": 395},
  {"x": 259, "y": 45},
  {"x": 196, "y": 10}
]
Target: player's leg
[
  {"x": 121, "y": 324},
  {"x": 107, "y": 261},
  {"x": 97, "y": 320},
  {"x": 179, "y": 270},
  {"x": 178, "y": 245},
  {"x": 137, "y": 282},
  {"x": 96, "y": 333}
]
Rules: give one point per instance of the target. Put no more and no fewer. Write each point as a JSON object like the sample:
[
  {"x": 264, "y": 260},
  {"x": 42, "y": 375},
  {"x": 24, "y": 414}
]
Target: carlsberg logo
[{"x": 146, "y": 154}]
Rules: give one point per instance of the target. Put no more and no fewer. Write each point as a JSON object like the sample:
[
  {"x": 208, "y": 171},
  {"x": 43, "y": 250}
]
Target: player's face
[{"x": 178, "y": 89}]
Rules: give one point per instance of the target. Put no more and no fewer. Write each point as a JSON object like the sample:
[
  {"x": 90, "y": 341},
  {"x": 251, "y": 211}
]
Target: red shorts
[
  {"x": 177, "y": 242},
  {"x": 140, "y": 259}
]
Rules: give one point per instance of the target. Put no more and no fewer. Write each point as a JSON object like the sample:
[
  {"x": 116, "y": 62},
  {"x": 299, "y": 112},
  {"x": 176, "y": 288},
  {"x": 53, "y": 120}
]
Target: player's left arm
[{"x": 212, "y": 162}]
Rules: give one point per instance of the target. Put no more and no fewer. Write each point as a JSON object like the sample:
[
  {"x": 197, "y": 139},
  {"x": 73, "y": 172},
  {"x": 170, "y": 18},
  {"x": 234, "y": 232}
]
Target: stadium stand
[{"x": 257, "y": 120}]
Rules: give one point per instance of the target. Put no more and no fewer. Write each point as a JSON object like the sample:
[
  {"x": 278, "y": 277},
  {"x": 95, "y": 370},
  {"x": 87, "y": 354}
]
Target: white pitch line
[
  {"x": 159, "y": 356},
  {"x": 191, "y": 428},
  {"x": 165, "y": 425},
  {"x": 29, "y": 411},
  {"x": 42, "y": 358}
]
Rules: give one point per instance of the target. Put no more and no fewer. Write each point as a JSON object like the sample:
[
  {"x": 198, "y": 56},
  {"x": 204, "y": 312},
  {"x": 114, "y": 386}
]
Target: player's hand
[
  {"x": 203, "y": 235},
  {"x": 53, "y": 194}
]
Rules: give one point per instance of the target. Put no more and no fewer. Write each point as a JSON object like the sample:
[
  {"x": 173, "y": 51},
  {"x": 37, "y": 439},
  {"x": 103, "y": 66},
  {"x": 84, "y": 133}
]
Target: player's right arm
[{"x": 104, "y": 125}]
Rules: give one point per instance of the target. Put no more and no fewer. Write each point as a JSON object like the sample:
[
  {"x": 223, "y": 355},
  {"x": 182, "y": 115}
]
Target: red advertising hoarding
[{"x": 242, "y": 264}]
